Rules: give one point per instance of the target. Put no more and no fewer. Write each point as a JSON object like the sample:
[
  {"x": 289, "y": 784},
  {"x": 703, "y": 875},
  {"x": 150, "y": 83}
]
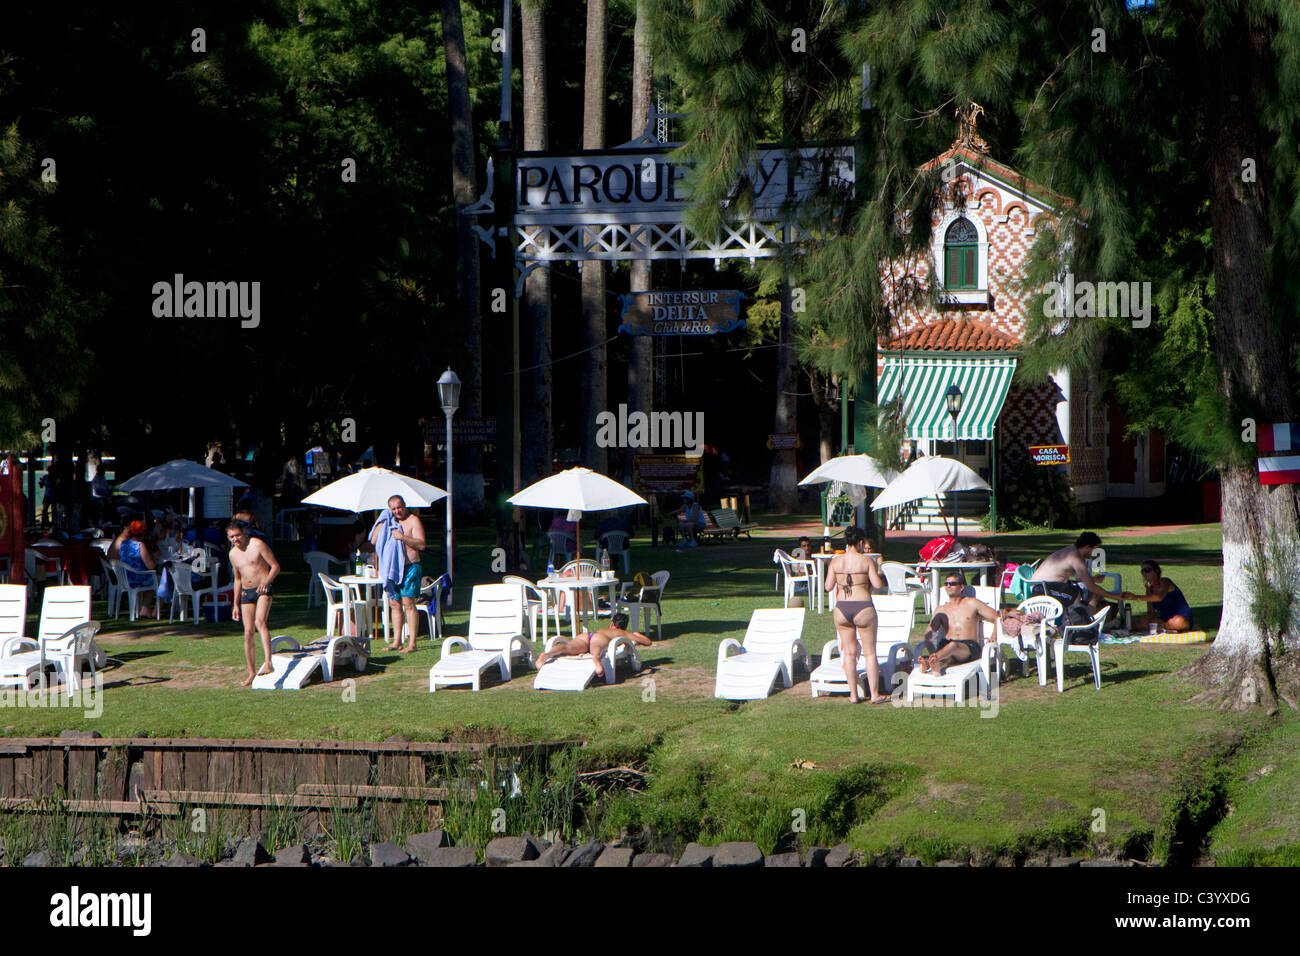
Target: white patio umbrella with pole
[
  {"x": 177, "y": 474},
  {"x": 369, "y": 490},
  {"x": 577, "y": 489},
  {"x": 930, "y": 476},
  {"x": 861, "y": 470}
]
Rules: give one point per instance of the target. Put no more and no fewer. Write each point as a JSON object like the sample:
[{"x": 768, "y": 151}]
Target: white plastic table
[
  {"x": 370, "y": 583},
  {"x": 562, "y": 583}
]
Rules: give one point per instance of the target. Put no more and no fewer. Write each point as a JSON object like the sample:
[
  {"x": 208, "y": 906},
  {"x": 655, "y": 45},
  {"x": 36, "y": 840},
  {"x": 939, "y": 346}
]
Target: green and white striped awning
[{"x": 923, "y": 381}]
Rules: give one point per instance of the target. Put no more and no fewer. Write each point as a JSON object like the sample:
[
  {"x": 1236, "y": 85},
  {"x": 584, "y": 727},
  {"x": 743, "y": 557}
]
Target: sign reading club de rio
[
  {"x": 1050, "y": 454},
  {"x": 687, "y": 312}
]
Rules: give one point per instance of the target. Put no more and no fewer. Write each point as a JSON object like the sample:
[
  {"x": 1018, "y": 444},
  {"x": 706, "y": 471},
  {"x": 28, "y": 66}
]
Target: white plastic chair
[
  {"x": 338, "y": 605},
  {"x": 895, "y": 616},
  {"x": 649, "y": 600},
  {"x": 616, "y": 543},
  {"x": 772, "y": 647},
  {"x": 319, "y": 562},
  {"x": 796, "y": 571},
  {"x": 183, "y": 589},
  {"x": 535, "y": 601},
  {"x": 496, "y": 624},
  {"x": 989, "y": 594},
  {"x": 1032, "y": 637},
  {"x": 431, "y": 591},
  {"x": 562, "y": 544},
  {"x": 1112, "y": 584},
  {"x": 133, "y": 593},
  {"x": 1084, "y": 639}
]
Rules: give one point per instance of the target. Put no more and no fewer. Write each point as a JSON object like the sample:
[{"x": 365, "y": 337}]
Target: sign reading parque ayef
[
  {"x": 643, "y": 185},
  {"x": 684, "y": 312}
]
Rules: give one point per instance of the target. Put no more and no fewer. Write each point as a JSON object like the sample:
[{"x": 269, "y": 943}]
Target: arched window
[{"x": 961, "y": 245}]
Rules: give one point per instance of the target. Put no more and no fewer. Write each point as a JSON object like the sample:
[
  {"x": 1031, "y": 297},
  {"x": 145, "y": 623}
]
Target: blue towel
[{"x": 391, "y": 553}]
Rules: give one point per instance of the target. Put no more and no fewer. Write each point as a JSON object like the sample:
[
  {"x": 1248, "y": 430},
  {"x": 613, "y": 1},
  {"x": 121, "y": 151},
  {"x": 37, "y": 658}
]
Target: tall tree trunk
[
  {"x": 593, "y": 395},
  {"x": 828, "y": 413},
  {"x": 1240, "y": 669},
  {"x": 537, "y": 454},
  {"x": 640, "y": 369},
  {"x": 781, "y": 488},
  {"x": 468, "y": 494}
]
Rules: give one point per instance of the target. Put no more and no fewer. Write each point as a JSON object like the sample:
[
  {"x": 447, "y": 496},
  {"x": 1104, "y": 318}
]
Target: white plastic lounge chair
[
  {"x": 66, "y": 653},
  {"x": 772, "y": 646},
  {"x": 293, "y": 665},
  {"x": 496, "y": 636},
  {"x": 895, "y": 616},
  {"x": 579, "y": 671},
  {"x": 13, "y": 610},
  {"x": 956, "y": 680},
  {"x": 1084, "y": 639}
]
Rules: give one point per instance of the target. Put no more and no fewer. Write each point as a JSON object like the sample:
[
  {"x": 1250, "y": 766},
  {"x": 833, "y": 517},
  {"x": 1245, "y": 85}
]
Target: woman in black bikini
[{"x": 852, "y": 575}]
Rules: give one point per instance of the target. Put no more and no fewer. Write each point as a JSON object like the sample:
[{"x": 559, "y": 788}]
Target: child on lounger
[{"x": 595, "y": 643}]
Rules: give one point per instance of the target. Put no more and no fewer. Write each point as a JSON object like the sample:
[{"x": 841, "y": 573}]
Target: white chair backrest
[
  {"x": 582, "y": 569},
  {"x": 992, "y": 596},
  {"x": 76, "y": 639},
  {"x": 1049, "y": 607},
  {"x": 63, "y": 608},
  {"x": 496, "y": 616},
  {"x": 13, "y": 610},
  {"x": 772, "y": 629},
  {"x": 530, "y": 590},
  {"x": 561, "y": 543},
  {"x": 895, "y": 576},
  {"x": 614, "y": 541},
  {"x": 1090, "y": 633},
  {"x": 895, "y": 615},
  {"x": 182, "y": 582},
  {"x": 334, "y": 589}
]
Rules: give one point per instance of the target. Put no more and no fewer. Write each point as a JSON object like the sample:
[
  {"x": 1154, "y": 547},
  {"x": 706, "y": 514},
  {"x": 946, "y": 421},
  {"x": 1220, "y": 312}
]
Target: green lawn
[{"x": 1106, "y": 770}]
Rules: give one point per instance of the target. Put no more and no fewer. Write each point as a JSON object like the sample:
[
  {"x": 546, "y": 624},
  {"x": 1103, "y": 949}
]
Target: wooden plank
[
  {"x": 23, "y": 783},
  {"x": 195, "y": 776},
  {"x": 178, "y": 798},
  {"x": 173, "y": 770},
  {"x": 21, "y": 744},
  {"x": 278, "y": 772},
  {"x": 221, "y": 770},
  {"x": 112, "y": 774},
  {"x": 82, "y": 783},
  {"x": 152, "y": 760},
  {"x": 6, "y": 775},
  {"x": 381, "y": 792},
  {"x": 248, "y": 771},
  {"x": 122, "y": 807}
]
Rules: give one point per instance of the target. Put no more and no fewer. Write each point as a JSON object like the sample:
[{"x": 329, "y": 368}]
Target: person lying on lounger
[
  {"x": 953, "y": 636},
  {"x": 595, "y": 643}
]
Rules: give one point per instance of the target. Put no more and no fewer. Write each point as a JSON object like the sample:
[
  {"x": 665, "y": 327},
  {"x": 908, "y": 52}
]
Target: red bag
[{"x": 936, "y": 549}]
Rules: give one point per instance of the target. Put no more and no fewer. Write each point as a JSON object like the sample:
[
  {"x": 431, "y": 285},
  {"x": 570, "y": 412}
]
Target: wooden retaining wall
[{"x": 134, "y": 776}]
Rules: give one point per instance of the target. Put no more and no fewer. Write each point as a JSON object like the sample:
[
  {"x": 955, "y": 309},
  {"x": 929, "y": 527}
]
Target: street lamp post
[
  {"x": 449, "y": 396},
  {"x": 953, "y": 397}
]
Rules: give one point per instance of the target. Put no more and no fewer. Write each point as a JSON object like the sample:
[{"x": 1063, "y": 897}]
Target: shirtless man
[
  {"x": 595, "y": 643},
  {"x": 956, "y": 626},
  {"x": 1058, "y": 568},
  {"x": 252, "y": 567},
  {"x": 410, "y": 532}
]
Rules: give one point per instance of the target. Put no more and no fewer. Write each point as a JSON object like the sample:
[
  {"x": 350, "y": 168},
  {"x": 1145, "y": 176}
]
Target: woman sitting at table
[
  {"x": 136, "y": 559},
  {"x": 1169, "y": 609}
]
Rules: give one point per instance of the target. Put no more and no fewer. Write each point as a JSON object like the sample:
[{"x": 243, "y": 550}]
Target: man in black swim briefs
[
  {"x": 253, "y": 567},
  {"x": 954, "y": 631}
]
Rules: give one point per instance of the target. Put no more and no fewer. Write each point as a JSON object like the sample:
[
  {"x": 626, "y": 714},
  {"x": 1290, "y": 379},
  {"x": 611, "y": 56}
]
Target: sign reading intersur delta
[
  {"x": 643, "y": 185},
  {"x": 687, "y": 312}
]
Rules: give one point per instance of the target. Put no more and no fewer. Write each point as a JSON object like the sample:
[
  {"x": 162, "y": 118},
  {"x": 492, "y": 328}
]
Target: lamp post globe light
[
  {"x": 449, "y": 398},
  {"x": 953, "y": 397}
]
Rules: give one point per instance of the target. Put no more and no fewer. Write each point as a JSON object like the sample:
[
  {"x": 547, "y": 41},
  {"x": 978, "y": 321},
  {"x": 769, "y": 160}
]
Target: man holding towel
[{"x": 398, "y": 537}]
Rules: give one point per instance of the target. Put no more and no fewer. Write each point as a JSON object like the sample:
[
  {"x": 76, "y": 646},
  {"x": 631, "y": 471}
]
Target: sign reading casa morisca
[
  {"x": 687, "y": 312},
  {"x": 646, "y": 186}
]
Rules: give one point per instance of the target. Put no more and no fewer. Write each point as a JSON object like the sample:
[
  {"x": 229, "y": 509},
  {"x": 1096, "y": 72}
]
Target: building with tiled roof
[{"x": 983, "y": 226}]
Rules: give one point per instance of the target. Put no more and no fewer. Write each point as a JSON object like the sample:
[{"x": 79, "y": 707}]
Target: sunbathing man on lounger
[
  {"x": 954, "y": 631},
  {"x": 595, "y": 643}
]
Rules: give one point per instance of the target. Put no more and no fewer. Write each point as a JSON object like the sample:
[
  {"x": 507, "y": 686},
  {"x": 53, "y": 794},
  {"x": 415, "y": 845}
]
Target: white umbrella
[
  {"x": 369, "y": 490},
  {"x": 577, "y": 489},
  {"x": 861, "y": 470},
  {"x": 179, "y": 474},
  {"x": 932, "y": 475}
]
